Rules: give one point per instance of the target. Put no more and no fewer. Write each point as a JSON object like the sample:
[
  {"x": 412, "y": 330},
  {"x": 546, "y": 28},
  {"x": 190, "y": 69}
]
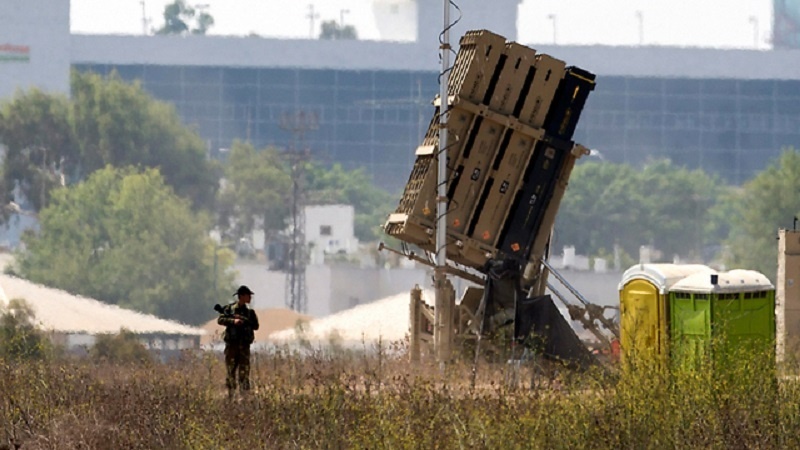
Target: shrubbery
[
  {"x": 316, "y": 399},
  {"x": 19, "y": 339},
  {"x": 121, "y": 348}
]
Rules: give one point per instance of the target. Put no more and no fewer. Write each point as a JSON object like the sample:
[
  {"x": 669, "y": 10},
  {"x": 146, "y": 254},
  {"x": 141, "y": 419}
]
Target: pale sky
[{"x": 698, "y": 23}]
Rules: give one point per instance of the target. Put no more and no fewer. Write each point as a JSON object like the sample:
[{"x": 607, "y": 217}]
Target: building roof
[
  {"x": 62, "y": 312},
  {"x": 732, "y": 281},
  {"x": 224, "y": 51},
  {"x": 662, "y": 275}
]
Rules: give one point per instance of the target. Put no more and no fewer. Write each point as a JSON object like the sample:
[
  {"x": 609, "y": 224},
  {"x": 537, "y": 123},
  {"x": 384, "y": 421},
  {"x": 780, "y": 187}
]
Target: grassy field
[{"x": 321, "y": 400}]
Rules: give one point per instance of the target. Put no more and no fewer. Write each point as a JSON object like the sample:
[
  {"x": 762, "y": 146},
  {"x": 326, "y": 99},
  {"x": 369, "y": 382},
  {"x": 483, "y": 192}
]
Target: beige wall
[
  {"x": 34, "y": 46},
  {"x": 787, "y": 295}
]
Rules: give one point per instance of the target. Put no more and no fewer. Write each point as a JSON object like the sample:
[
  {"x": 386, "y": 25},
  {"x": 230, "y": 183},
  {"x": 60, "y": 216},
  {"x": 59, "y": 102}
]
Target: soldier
[{"x": 240, "y": 322}]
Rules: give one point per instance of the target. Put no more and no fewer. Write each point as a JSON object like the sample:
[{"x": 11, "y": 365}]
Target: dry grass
[{"x": 315, "y": 399}]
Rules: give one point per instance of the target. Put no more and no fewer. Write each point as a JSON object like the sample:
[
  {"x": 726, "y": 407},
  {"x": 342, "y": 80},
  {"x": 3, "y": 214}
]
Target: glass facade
[
  {"x": 732, "y": 128},
  {"x": 376, "y": 119}
]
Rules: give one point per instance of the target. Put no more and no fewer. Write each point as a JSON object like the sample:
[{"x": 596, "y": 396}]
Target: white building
[{"x": 330, "y": 231}]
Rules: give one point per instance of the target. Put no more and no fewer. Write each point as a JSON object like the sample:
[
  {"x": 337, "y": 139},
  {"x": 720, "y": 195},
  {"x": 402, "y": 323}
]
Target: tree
[
  {"x": 255, "y": 193},
  {"x": 118, "y": 123},
  {"x": 41, "y": 150},
  {"x": 766, "y": 203},
  {"x": 662, "y": 205},
  {"x": 600, "y": 209},
  {"x": 124, "y": 237},
  {"x": 178, "y": 16},
  {"x": 52, "y": 141},
  {"x": 354, "y": 187},
  {"x": 331, "y": 30}
]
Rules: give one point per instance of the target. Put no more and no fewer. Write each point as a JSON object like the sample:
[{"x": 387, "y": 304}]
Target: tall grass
[{"x": 316, "y": 399}]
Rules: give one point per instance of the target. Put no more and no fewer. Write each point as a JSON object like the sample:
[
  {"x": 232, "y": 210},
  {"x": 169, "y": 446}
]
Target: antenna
[
  {"x": 311, "y": 16},
  {"x": 144, "y": 18},
  {"x": 298, "y": 124}
]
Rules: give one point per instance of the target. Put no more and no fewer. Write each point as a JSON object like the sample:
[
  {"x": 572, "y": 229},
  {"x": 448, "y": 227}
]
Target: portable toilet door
[
  {"x": 643, "y": 305},
  {"x": 729, "y": 312}
]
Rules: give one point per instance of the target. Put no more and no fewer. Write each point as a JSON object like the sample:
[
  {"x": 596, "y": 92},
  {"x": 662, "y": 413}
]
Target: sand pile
[
  {"x": 270, "y": 320},
  {"x": 386, "y": 320}
]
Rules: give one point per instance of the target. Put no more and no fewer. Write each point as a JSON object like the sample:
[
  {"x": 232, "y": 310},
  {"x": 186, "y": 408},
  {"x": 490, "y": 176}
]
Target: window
[{"x": 325, "y": 230}]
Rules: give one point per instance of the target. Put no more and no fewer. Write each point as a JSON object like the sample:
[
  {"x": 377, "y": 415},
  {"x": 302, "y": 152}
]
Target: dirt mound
[
  {"x": 269, "y": 319},
  {"x": 386, "y": 320}
]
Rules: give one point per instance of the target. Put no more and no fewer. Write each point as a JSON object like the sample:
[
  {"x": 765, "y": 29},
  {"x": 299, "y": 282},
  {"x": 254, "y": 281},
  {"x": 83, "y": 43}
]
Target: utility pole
[
  {"x": 442, "y": 316},
  {"x": 298, "y": 124},
  {"x": 311, "y": 16},
  {"x": 754, "y": 22},
  {"x": 640, "y": 18},
  {"x": 144, "y": 18}
]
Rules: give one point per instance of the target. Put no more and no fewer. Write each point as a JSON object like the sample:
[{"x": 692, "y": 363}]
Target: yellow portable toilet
[{"x": 643, "y": 304}]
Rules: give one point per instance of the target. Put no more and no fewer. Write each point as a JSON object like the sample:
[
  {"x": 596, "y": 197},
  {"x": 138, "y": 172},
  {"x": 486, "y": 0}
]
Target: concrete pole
[
  {"x": 414, "y": 344},
  {"x": 787, "y": 293},
  {"x": 439, "y": 274}
]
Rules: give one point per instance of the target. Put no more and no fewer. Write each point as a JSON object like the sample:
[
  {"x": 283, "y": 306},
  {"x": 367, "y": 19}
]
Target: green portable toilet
[
  {"x": 735, "y": 310},
  {"x": 643, "y": 305}
]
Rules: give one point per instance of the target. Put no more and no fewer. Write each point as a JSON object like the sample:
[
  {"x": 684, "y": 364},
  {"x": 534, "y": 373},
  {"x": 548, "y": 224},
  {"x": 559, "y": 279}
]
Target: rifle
[
  {"x": 220, "y": 309},
  {"x": 236, "y": 333}
]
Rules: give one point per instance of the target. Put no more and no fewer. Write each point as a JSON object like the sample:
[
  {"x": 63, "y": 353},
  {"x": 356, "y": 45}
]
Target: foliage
[
  {"x": 19, "y": 338},
  {"x": 52, "y": 141},
  {"x": 335, "y": 185},
  {"x": 121, "y": 348},
  {"x": 118, "y": 123},
  {"x": 661, "y": 205},
  {"x": 125, "y": 238},
  {"x": 332, "y": 30},
  {"x": 178, "y": 16},
  {"x": 256, "y": 192},
  {"x": 41, "y": 149},
  {"x": 766, "y": 203},
  {"x": 362, "y": 400}
]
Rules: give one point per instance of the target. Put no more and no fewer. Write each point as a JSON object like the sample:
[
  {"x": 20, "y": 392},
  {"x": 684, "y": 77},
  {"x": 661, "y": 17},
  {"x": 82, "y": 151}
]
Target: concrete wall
[
  {"x": 34, "y": 46},
  {"x": 330, "y": 288}
]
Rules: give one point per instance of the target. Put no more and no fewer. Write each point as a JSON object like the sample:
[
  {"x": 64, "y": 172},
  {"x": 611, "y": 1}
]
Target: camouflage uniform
[{"x": 237, "y": 344}]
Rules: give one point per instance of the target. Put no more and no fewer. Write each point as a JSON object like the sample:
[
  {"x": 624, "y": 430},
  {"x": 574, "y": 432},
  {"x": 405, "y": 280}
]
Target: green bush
[
  {"x": 122, "y": 348},
  {"x": 19, "y": 338}
]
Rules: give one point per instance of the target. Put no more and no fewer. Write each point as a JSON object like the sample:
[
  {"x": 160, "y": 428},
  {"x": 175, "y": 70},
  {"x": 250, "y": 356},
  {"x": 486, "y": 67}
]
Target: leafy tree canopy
[
  {"x": 333, "y": 31},
  {"x": 124, "y": 237},
  {"x": 118, "y": 123},
  {"x": 40, "y": 146},
  {"x": 661, "y": 205},
  {"x": 182, "y": 18},
  {"x": 256, "y": 191},
  {"x": 52, "y": 141},
  {"x": 766, "y": 203}
]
